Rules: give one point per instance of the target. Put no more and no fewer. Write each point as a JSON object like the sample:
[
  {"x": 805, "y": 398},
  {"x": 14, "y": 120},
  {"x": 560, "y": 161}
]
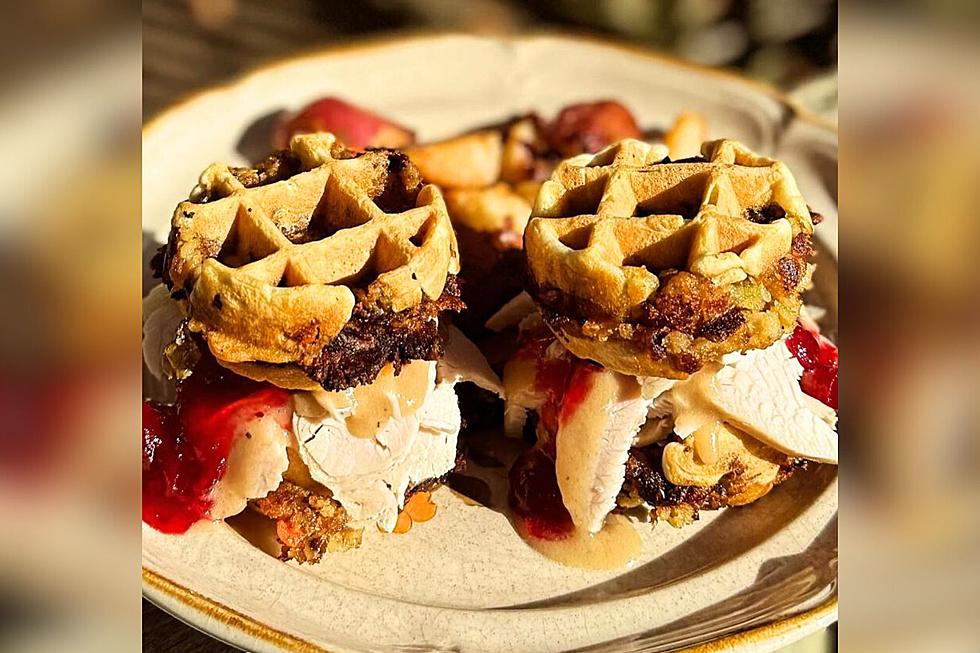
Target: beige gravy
[{"x": 614, "y": 547}]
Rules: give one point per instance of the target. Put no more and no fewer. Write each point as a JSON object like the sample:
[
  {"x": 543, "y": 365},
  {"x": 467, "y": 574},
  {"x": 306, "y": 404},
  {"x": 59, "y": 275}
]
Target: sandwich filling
[
  {"x": 724, "y": 436},
  {"x": 369, "y": 447},
  {"x": 323, "y": 464}
]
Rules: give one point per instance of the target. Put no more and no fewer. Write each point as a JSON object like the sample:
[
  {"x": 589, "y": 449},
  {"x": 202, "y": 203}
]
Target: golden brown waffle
[
  {"x": 653, "y": 267},
  {"x": 272, "y": 272}
]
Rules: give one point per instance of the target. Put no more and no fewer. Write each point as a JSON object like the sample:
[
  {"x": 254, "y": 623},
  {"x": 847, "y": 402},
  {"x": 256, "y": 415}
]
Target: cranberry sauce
[
  {"x": 577, "y": 389},
  {"x": 551, "y": 376},
  {"x": 535, "y": 497},
  {"x": 534, "y": 494},
  {"x": 818, "y": 356},
  {"x": 186, "y": 446}
]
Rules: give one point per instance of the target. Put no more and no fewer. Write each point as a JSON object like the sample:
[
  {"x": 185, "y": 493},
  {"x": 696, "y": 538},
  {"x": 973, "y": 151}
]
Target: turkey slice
[
  {"x": 511, "y": 313},
  {"x": 162, "y": 316},
  {"x": 463, "y": 361},
  {"x": 759, "y": 393},
  {"x": 255, "y": 463},
  {"x": 369, "y": 476},
  {"x": 593, "y": 441}
]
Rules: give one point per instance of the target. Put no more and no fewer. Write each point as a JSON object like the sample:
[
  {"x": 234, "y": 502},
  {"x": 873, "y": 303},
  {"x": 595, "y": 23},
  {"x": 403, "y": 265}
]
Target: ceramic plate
[{"x": 749, "y": 579}]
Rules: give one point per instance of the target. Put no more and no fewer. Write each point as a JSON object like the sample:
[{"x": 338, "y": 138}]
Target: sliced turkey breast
[
  {"x": 370, "y": 445},
  {"x": 600, "y": 416},
  {"x": 255, "y": 463},
  {"x": 370, "y": 468},
  {"x": 464, "y": 362},
  {"x": 759, "y": 393},
  {"x": 511, "y": 313}
]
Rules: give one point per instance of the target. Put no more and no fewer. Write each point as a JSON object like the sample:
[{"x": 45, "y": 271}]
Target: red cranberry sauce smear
[
  {"x": 535, "y": 497},
  {"x": 578, "y": 388},
  {"x": 551, "y": 375},
  {"x": 534, "y": 494},
  {"x": 818, "y": 356},
  {"x": 186, "y": 446}
]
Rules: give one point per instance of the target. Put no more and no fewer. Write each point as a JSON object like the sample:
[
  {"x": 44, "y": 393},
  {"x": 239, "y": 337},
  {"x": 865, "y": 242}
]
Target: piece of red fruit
[
  {"x": 819, "y": 358},
  {"x": 590, "y": 126},
  {"x": 357, "y": 128}
]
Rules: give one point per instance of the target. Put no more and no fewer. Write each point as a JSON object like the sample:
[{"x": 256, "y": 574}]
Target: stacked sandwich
[
  {"x": 663, "y": 364},
  {"x": 655, "y": 363},
  {"x": 303, "y": 309}
]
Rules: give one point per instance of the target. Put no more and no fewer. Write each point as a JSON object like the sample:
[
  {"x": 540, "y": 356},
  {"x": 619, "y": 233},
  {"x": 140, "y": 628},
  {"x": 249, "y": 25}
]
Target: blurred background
[
  {"x": 78, "y": 80},
  {"x": 786, "y": 42}
]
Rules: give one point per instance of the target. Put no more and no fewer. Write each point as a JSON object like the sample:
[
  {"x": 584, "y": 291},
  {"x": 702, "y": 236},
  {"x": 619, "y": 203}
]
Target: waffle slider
[
  {"x": 653, "y": 372},
  {"x": 328, "y": 276}
]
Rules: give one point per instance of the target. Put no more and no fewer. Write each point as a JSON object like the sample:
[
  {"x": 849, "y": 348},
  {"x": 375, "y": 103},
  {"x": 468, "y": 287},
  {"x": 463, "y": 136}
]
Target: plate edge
[
  {"x": 213, "y": 610},
  {"x": 400, "y": 37}
]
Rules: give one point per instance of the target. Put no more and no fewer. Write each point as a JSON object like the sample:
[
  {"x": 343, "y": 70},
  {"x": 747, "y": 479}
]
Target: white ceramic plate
[{"x": 750, "y": 579}]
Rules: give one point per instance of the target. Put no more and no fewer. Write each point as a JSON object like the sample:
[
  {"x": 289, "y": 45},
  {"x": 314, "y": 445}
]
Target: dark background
[{"x": 191, "y": 44}]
